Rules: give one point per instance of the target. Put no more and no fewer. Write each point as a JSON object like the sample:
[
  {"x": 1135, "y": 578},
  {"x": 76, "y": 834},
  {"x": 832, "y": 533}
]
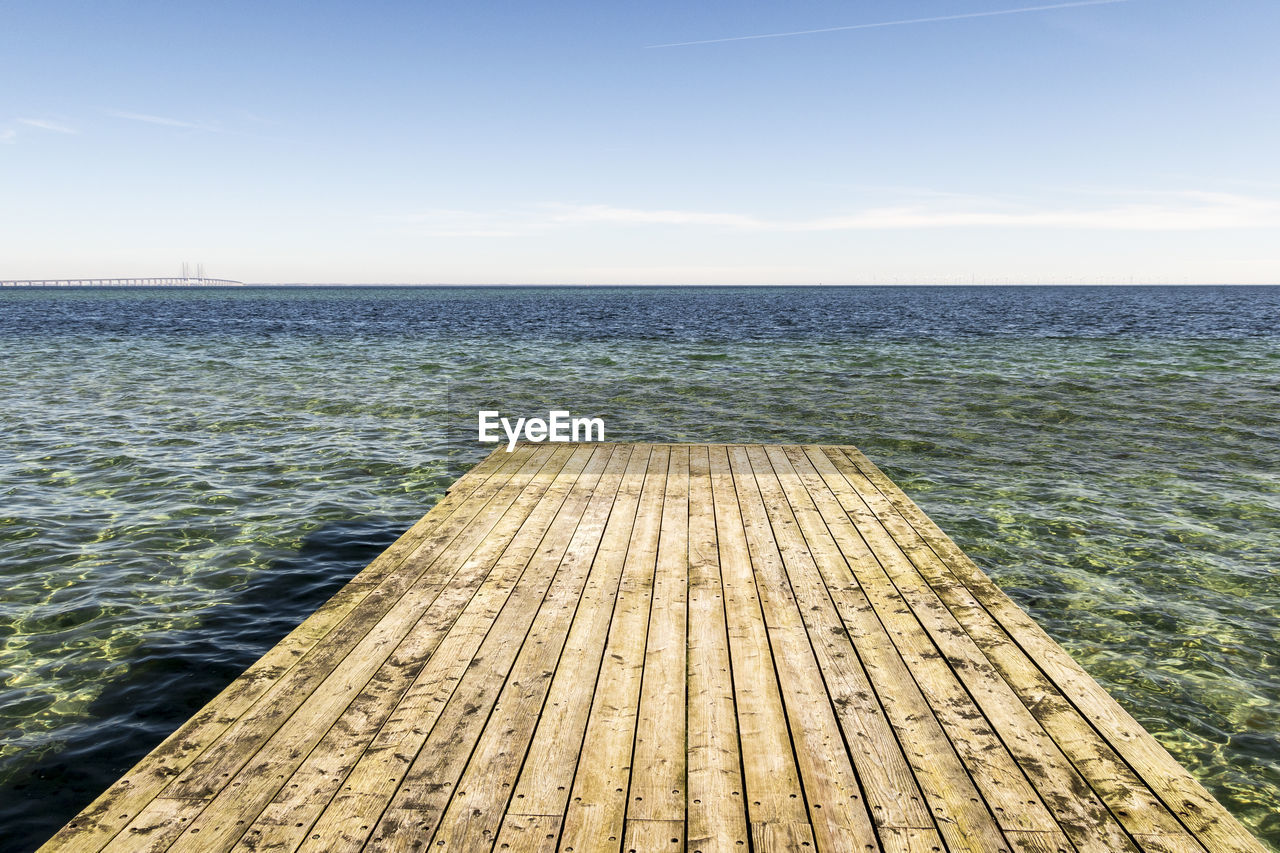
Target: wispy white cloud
[
  {"x": 1187, "y": 211},
  {"x": 900, "y": 23},
  {"x": 1164, "y": 211},
  {"x": 922, "y": 210},
  {"x": 449, "y": 223},
  {"x": 165, "y": 121},
  {"x": 605, "y": 213},
  {"x": 7, "y": 136},
  {"x": 257, "y": 119},
  {"x": 46, "y": 124},
  {"x": 477, "y": 232}
]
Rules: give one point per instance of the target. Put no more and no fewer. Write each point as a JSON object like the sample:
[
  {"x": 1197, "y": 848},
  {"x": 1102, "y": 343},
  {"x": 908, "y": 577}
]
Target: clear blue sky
[{"x": 479, "y": 142}]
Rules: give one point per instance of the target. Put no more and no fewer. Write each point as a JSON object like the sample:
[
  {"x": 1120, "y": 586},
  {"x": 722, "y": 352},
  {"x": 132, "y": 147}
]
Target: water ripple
[{"x": 185, "y": 474}]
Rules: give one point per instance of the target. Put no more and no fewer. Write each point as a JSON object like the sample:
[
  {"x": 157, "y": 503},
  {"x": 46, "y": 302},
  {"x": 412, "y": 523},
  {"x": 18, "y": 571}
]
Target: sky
[{"x": 805, "y": 142}]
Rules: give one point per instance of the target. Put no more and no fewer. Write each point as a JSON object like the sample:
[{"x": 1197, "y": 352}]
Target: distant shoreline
[{"x": 562, "y": 286}]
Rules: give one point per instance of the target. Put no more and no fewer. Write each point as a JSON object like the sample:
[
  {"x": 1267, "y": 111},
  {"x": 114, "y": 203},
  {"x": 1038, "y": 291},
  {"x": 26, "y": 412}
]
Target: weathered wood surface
[{"x": 635, "y": 647}]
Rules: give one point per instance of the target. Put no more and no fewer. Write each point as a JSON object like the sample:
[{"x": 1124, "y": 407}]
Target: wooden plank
[
  {"x": 473, "y": 817},
  {"x": 1133, "y": 804},
  {"x": 777, "y": 837},
  {"x": 1168, "y": 843},
  {"x": 716, "y": 812},
  {"x": 892, "y": 794},
  {"x": 289, "y": 818},
  {"x": 443, "y": 692},
  {"x": 837, "y": 808},
  {"x": 1177, "y": 788},
  {"x": 400, "y": 593},
  {"x": 658, "y": 783},
  {"x": 529, "y": 833},
  {"x": 241, "y": 794},
  {"x": 432, "y": 780},
  {"x": 898, "y": 839},
  {"x": 494, "y": 470},
  {"x": 1082, "y": 816},
  {"x": 774, "y": 799},
  {"x": 707, "y": 648},
  {"x": 962, "y": 816},
  {"x": 594, "y": 815},
  {"x": 116, "y": 807},
  {"x": 1006, "y": 790},
  {"x": 543, "y": 786},
  {"x": 155, "y": 833},
  {"x": 653, "y": 836}
]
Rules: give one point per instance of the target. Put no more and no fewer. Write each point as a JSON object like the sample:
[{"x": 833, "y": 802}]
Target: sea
[{"x": 186, "y": 473}]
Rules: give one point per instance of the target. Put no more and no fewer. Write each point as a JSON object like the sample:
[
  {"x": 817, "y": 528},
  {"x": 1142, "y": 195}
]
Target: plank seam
[
  {"x": 1072, "y": 761},
  {"x": 604, "y": 645},
  {"x": 560, "y": 657},
  {"x": 964, "y": 765},
  {"x": 878, "y": 689},
  {"x": 644, "y": 657},
  {"x": 374, "y": 823},
  {"x": 1065, "y": 695},
  {"x": 316, "y": 644},
  {"x": 786, "y": 718},
  {"x": 733, "y": 683},
  {"x": 998, "y": 734},
  {"x": 426, "y": 609},
  {"x": 933, "y": 824},
  {"x": 647, "y": 483},
  {"x": 506, "y": 679},
  {"x": 786, "y": 571}
]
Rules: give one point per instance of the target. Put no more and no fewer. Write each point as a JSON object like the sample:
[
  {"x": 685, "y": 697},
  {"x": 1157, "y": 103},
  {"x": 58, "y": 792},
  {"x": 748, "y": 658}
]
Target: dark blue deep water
[{"x": 186, "y": 473}]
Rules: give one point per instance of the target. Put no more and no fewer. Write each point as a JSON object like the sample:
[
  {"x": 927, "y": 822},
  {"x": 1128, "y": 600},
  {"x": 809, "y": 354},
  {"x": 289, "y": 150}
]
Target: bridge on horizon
[{"x": 163, "y": 281}]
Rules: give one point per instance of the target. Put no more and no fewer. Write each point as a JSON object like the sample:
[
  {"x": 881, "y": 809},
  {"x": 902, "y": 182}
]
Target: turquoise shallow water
[{"x": 185, "y": 474}]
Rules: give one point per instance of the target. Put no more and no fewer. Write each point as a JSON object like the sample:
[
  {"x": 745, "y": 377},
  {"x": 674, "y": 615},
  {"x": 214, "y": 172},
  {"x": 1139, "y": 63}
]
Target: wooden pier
[{"x": 634, "y": 647}]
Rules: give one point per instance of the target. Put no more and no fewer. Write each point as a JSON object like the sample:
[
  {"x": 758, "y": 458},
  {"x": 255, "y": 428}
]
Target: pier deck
[{"x": 659, "y": 648}]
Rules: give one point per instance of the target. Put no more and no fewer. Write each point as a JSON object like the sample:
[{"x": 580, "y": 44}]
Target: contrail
[{"x": 896, "y": 23}]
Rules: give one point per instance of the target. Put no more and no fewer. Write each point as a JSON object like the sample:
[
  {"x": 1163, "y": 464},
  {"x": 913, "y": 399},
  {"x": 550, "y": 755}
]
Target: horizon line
[{"x": 570, "y": 285}]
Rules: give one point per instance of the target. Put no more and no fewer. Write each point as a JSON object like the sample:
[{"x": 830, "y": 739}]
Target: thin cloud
[
  {"x": 605, "y": 213},
  {"x": 45, "y": 124},
  {"x": 163, "y": 121},
  {"x": 901, "y": 23},
  {"x": 1169, "y": 211},
  {"x": 1188, "y": 211},
  {"x": 7, "y": 136},
  {"x": 257, "y": 119},
  {"x": 478, "y": 233},
  {"x": 1235, "y": 213},
  {"x": 450, "y": 223}
]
